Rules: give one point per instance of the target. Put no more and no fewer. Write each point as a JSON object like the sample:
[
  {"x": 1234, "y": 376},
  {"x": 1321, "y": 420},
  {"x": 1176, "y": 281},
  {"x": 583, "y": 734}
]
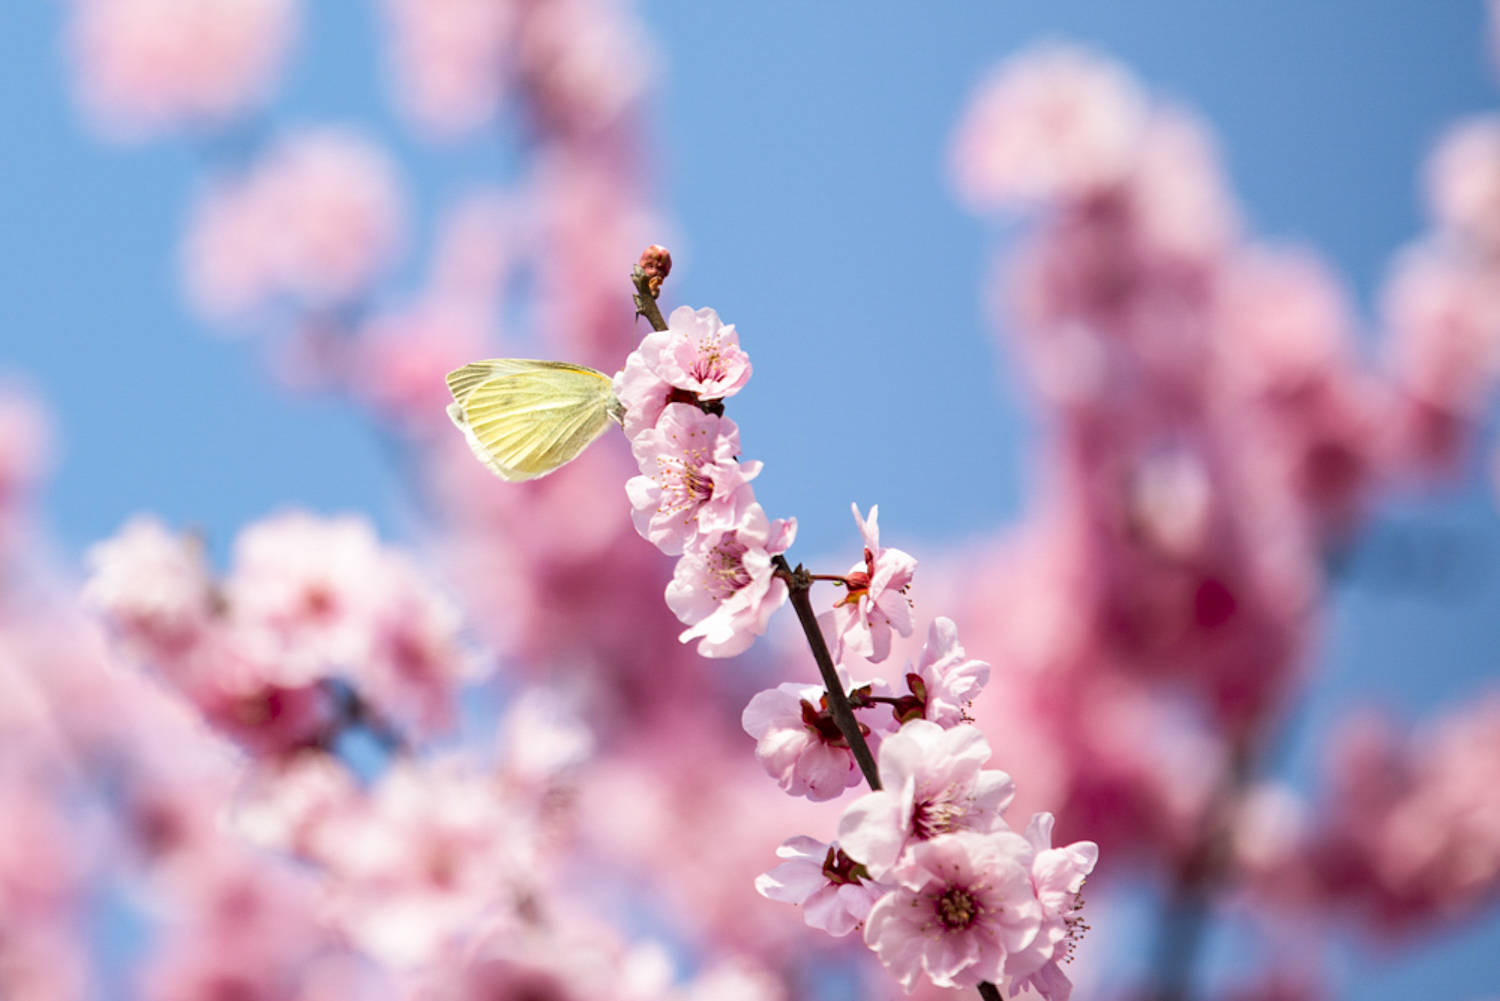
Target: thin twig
[
  {"x": 645, "y": 300},
  {"x": 799, "y": 583}
]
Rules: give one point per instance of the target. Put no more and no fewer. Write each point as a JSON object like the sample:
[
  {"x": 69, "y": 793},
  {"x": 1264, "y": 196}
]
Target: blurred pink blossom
[
  {"x": 315, "y": 221},
  {"x": 401, "y": 356},
  {"x": 303, "y": 589},
  {"x": 153, "y": 587},
  {"x": 143, "y": 67},
  {"x": 450, "y": 59},
  {"x": 1463, "y": 183},
  {"x": 1054, "y": 123},
  {"x": 1442, "y": 312},
  {"x": 25, "y": 447}
]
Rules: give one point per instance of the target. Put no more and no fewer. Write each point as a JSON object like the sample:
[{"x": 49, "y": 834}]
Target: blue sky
[{"x": 800, "y": 151}]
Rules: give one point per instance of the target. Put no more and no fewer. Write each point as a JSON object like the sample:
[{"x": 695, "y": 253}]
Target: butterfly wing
[
  {"x": 526, "y": 418},
  {"x": 463, "y": 381}
]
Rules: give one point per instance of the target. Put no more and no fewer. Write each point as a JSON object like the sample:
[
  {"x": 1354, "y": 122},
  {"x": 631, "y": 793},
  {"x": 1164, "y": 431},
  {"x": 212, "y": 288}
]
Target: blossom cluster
[
  {"x": 311, "y": 608},
  {"x": 944, "y": 890}
]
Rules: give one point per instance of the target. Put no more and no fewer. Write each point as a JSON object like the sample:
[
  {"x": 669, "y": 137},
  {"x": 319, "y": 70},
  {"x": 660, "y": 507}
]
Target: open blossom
[
  {"x": 690, "y": 483},
  {"x": 317, "y": 220},
  {"x": 152, "y": 585},
  {"x": 798, "y": 743},
  {"x": 964, "y": 907},
  {"x": 876, "y": 601},
  {"x": 448, "y": 59},
  {"x": 1463, "y": 182},
  {"x": 303, "y": 590},
  {"x": 144, "y": 66},
  {"x": 1058, "y": 122},
  {"x": 948, "y": 677},
  {"x": 415, "y": 660},
  {"x": 725, "y": 588},
  {"x": 1057, "y": 876},
  {"x": 696, "y": 355},
  {"x": 834, "y": 892},
  {"x": 933, "y": 784}
]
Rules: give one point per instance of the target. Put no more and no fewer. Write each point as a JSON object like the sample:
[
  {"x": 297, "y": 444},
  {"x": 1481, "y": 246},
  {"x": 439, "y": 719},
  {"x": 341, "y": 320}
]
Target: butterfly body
[{"x": 525, "y": 418}]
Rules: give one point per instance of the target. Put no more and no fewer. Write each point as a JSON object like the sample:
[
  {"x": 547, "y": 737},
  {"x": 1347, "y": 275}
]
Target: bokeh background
[{"x": 798, "y": 157}]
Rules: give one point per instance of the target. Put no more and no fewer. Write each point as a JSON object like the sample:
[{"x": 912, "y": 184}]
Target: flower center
[
  {"x": 932, "y": 817},
  {"x": 956, "y": 908},
  {"x": 726, "y": 571},
  {"x": 683, "y": 485},
  {"x": 709, "y": 364}
]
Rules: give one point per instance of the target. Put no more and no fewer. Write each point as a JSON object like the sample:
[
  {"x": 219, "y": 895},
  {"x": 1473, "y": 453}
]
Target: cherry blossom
[
  {"x": 834, "y": 892},
  {"x": 875, "y": 602},
  {"x": 147, "y": 66},
  {"x": 690, "y": 483},
  {"x": 696, "y": 358},
  {"x": 1057, "y": 876},
  {"x": 1463, "y": 182},
  {"x": 725, "y": 588},
  {"x": 932, "y": 784},
  {"x": 1057, "y": 122},
  {"x": 944, "y": 680},
  {"x": 798, "y": 743},
  {"x": 152, "y": 586},
  {"x": 303, "y": 589},
  {"x": 316, "y": 220},
  {"x": 965, "y": 905}
]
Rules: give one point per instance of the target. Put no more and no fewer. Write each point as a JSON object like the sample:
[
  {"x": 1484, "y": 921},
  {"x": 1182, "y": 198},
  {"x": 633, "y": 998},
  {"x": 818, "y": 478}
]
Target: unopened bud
[
  {"x": 655, "y": 264},
  {"x": 656, "y": 261}
]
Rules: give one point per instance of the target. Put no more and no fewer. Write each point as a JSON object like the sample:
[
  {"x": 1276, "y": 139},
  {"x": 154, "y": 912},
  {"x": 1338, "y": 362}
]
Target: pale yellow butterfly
[{"x": 524, "y": 418}]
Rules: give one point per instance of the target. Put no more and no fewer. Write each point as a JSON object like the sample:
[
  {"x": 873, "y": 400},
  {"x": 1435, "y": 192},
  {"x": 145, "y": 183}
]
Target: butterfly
[{"x": 523, "y": 418}]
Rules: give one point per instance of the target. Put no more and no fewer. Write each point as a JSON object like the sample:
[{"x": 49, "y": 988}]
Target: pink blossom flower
[
  {"x": 153, "y": 587},
  {"x": 964, "y": 906},
  {"x": 582, "y": 63},
  {"x": 1443, "y": 313},
  {"x": 798, "y": 743},
  {"x": 876, "y": 601},
  {"x": 690, "y": 483},
  {"x": 696, "y": 358},
  {"x": 932, "y": 784},
  {"x": 1057, "y": 876},
  {"x": 1056, "y": 122},
  {"x": 25, "y": 445},
  {"x": 316, "y": 220},
  {"x": 337, "y": 202},
  {"x": 146, "y": 66},
  {"x": 303, "y": 590},
  {"x": 449, "y": 59},
  {"x": 431, "y": 853},
  {"x": 834, "y": 892},
  {"x": 948, "y": 679},
  {"x": 724, "y": 587},
  {"x": 1463, "y": 182},
  {"x": 703, "y": 356},
  {"x": 542, "y": 737},
  {"x": 415, "y": 660}
]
